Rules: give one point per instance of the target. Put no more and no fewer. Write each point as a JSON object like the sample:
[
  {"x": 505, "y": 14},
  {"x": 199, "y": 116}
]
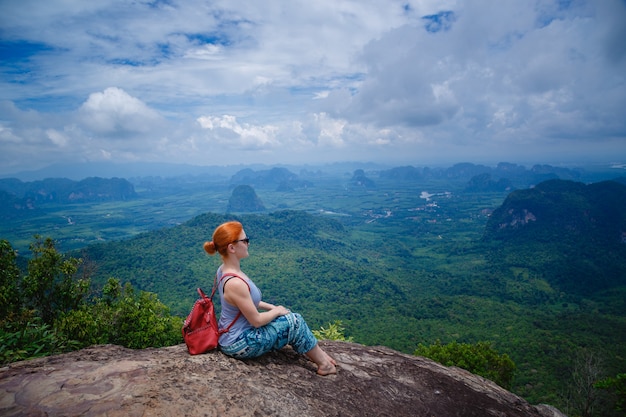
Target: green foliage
[
  {"x": 334, "y": 331},
  {"x": 479, "y": 358},
  {"x": 50, "y": 286},
  {"x": 582, "y": 397},
  {"x": 31, "y": 339},
  {"x": 50, "y": 314},
  {"x": 10, "y": 300},
  {"x": 617, "y": 386},
  {"x": 568, "y": 231},
  {"x": 125, "y": 317},
  {"x": 31, "y": 303}
]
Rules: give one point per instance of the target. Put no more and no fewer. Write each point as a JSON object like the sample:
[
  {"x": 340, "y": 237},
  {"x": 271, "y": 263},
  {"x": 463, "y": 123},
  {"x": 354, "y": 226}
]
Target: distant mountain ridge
[
  {"x": 77, "y": 171},
  {"x": 521, "y": 175},
  {"x": 279, "y": 178},
  {"x": 17, "y": 196}
]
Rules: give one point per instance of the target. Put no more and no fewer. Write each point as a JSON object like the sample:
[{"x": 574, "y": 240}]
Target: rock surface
[{"x": 112, "y": 381}]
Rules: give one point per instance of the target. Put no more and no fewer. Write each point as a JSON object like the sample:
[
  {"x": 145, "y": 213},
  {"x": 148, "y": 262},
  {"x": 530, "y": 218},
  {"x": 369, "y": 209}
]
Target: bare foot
[
  {"x": 325, "y": 364},
  {"x": 327, "y": 370},
  {"x": 331, "y": 360}
]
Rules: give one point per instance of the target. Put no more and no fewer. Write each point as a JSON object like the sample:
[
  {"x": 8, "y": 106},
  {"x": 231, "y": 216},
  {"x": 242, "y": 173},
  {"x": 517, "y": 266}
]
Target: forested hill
[
  {"x": 573, "y": 234},
  {"x": 558, "y": 208},
  {"x": 294, "y": 255}
]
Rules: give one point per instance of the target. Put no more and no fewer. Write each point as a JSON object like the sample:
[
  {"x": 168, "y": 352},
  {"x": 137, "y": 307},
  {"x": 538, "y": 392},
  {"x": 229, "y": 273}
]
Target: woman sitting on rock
[{"x": 261, "y": 327}]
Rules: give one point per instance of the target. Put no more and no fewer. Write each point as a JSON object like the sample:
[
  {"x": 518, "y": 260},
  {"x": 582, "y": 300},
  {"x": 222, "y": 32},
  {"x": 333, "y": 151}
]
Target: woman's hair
[{"x": 225, "y": 234}]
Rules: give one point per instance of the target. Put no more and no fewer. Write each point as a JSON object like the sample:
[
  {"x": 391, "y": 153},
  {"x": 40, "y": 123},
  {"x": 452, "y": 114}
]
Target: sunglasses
[{"x": 246, "y": 241}]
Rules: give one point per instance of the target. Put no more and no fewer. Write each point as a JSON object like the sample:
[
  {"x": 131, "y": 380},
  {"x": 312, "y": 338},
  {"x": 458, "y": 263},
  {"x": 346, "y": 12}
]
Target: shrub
[
  {"x": 479, "y": 358},
  {"x": 334, "y": 331},
  {"x": 125, "y": 317}
]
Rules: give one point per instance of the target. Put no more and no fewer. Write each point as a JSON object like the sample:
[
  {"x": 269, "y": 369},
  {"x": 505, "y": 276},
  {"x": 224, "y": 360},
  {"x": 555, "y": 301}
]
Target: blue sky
[{"x": 235, "y": 81}]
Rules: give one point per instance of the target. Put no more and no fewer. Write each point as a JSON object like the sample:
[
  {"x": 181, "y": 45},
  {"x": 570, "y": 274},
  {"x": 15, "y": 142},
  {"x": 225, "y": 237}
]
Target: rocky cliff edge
[{"x": 110, "y": 380}]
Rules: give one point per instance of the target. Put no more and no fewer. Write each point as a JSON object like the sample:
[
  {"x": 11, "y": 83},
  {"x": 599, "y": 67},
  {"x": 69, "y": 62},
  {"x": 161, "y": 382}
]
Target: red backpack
[{"x": 200, "y": 328}]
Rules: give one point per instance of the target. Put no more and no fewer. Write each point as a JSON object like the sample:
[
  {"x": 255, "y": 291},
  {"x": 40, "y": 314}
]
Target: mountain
[
  {"x": 484, "y": 183},
  {"x": 404, "y": 173},
  {"x": 565, "y": 219},
  {"x": 63, "y": 190},
  {"x": 371, "y": 381},
  {"x": 244, "y": 200},
  {"x": 360, "y": 180},
  {"x": 506, "y": 176},
  {"x": 278, "y": 178},
  {"x": 558, "y": 210},
  {"x": 12, "y": 207},
  {"x": 19, "y": 199},
  {"x": 79, "y": 171}
]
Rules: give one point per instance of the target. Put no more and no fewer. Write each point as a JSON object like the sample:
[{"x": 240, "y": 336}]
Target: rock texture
[{"x": 372, "y": 381}]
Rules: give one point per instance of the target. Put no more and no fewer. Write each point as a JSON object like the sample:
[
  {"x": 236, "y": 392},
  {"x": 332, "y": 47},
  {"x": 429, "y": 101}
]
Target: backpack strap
[
  {"x": 231, "y": 275},
  {"x": 202, "y": 294}
]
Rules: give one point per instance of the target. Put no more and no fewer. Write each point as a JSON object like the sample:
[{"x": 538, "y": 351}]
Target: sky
[{"x": 230, "y": 82}]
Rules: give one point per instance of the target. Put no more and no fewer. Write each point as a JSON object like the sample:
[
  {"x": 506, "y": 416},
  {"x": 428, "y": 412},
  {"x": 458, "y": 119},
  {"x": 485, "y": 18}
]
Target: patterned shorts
[{"x": 290, "y": 329}]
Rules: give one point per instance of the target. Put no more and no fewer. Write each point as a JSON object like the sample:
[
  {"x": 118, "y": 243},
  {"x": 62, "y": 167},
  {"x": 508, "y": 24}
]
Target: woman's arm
[
  {"x": 266, "y": 306},
  {"x": 238, "y": 294}
]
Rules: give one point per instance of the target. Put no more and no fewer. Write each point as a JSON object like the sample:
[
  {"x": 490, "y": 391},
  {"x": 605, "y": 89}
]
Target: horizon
[
  {"x": 79, "y": 171},
  {"x": 417, "y": 82}
]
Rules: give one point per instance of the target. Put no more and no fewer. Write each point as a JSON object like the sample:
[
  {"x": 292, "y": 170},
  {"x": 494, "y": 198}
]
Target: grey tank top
[{"x": 229, "y": 311}]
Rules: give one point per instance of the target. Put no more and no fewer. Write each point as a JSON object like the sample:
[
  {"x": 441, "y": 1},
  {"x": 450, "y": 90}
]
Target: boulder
[{"x": 109, "y": 380}]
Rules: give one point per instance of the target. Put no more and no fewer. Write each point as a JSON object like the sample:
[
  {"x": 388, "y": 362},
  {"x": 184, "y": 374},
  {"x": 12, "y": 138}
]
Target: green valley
[{"x": 405, "y": 259}]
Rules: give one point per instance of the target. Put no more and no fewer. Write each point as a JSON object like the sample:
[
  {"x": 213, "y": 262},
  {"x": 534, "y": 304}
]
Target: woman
[{"x": 261, "y": 327}]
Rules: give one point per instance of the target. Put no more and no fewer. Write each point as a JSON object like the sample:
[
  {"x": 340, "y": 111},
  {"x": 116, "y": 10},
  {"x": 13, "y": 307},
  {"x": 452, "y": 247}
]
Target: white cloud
[
  {"x": 116, "y": 113},
  {"x": 7, "y": 136},
  {"x": 57, "y": 137},
  {"x": 505, "y": 73},
  {"x": 401, "y": 80},
  {"x": 228, "y": 132},
  {"x": 331, "y": 130}
]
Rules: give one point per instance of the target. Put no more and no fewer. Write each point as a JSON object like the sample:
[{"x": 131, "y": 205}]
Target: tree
[
  {"x": 50, "y": 314},
  {"x": 10, "y": 300},
  {"x": 28, "y": 333},
  {"x": 583, "y": 395},
  {"x": 122, "y": 316},
  {"x": 50, "y": 286},
  {"x": 617, "y": 386},
  {"x": 479, "y": 358}
]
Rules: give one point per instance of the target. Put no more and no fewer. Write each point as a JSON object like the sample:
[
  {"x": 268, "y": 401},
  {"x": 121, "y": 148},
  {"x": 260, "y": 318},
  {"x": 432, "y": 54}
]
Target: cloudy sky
[{"x": 246, "y": 81}]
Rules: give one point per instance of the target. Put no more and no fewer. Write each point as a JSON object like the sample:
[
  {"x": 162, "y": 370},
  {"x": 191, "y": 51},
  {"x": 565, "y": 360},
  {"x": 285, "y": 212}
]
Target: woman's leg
[
  {"x": 290, "y": 329},
  {"x": 325, "y": 364},
  {"x": 303, "y": 341}
]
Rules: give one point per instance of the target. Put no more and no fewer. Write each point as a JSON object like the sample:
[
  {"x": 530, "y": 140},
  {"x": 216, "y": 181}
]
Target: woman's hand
[
  {"x": 236, "y": 292},
  {"x": 281, "y": 311}
]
